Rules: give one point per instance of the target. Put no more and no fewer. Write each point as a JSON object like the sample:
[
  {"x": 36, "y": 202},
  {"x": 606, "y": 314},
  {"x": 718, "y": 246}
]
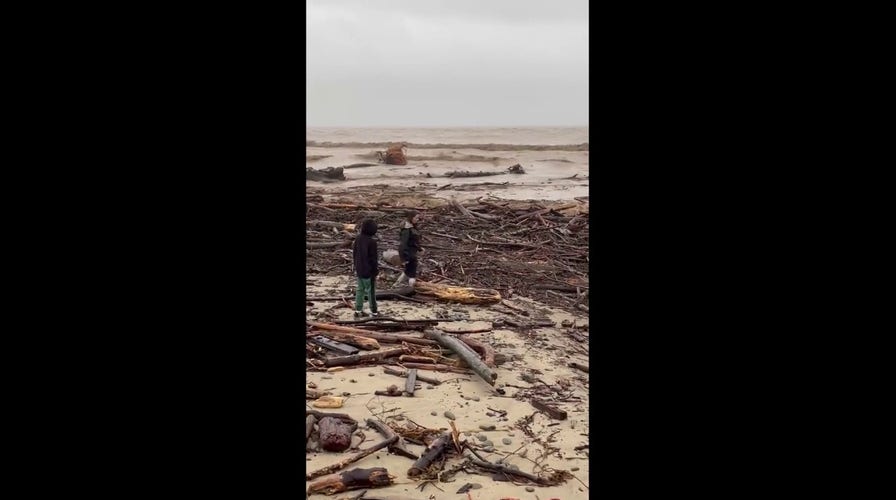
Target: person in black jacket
[
  {"x": 409, "y": 247},
  {"x": 366, "y": 267}
]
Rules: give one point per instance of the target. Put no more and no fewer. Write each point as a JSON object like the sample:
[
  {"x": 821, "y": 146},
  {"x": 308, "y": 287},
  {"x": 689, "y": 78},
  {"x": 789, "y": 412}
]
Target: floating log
[
  {"x": 431, "y": 453},
  {"x": 483, "y": 349},
  {"x": 465, "y": 353},
  {"x": 334, "y": 434},
  {"x": 462, "y": 295},
  {"x": 553, "y": 412},
  {"x": 409, "y": 385},
  {"x": 355, "y": 479},
  {"x": 350, "y": 460},
  {"x": 364, "y": 357},
  {"x": 404, "y": 373},
  {"x": 400, "y": 445},
  {"x": 326, "y": 174}
]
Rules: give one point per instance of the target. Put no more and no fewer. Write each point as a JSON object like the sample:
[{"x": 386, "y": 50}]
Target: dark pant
[
  {"x": 366, "y": 286},
  {"x": 410, "y": 268}
]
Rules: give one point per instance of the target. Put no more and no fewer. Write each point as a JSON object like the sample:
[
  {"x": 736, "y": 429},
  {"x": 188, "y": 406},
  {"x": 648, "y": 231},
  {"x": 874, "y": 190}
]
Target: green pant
[{"x": 366, "y": 286}]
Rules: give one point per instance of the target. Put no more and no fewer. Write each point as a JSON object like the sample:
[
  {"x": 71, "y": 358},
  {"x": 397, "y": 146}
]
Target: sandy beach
[{"x": 541, "y": 349}]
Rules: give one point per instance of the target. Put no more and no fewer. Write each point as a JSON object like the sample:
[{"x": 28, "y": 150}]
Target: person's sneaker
[
  {"x": 375, "y": 314},
  {"x": 359, "y": 314}
]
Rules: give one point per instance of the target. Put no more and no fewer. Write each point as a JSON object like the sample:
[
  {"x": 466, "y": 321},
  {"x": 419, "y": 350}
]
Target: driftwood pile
[
  {"x": 329, "y": 174},
  {"x": 536, "y": 250}
]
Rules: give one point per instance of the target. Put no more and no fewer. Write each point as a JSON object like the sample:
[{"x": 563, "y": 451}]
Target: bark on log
[
  {"x": 466, "y": 354},
  {"x": 325, "y": 223},
  {"x": 314, "y": 393},
  {"x": 334, "y": 434},
  {"x": 462, "y": 209},
  {"x": 310, "y": 420},
  {"x": 350, "y": 460},
  {"x": 553, "y": 412},
  {"x": 391, "y": 391},
  {"x": 481, "y": 348},
  {"x": 503, "y": 469},
  {"x": 364, "y": 357},
  {"x": 432, "y": 452},
  {"x": 329, "y": 244},
  {"x": 404, "y": 373},
  {"x": 409, "y": 385},
  {"x": 323, "y": 414},
  {"x": 400, "y": 446},
  {"x": 354, "y": 479}
]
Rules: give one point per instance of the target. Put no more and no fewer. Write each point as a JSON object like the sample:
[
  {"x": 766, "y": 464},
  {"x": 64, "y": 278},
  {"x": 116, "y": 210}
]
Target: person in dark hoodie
[
  {"x": 366, "y": 267},
  {"x": 409, "y": 247}
]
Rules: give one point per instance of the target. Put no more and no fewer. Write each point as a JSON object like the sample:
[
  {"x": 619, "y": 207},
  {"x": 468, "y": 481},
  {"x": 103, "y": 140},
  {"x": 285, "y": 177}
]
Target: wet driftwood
[
  {"x": 432, "y": 452},
  {"x": 481, "y": 348},
  {"x": 392, "y": 391},
  {"x": 350, "y": 460},
  {"x": 355, "y": 479},
  {"x": 579, "y": 366},
  {"x": 465, "y": 353},
  {"x": 326, "y": 174},
  {"x": 436, "y": 368},
  {"x": 459, "y": 294},
  {"x": 394, "y": 155},
  {"x": 364, "y": 342},
  {"x": 410, "y": 358},
  {"x": 411, "y": 382},
  {"x": 553, "y": 412},
  {"x": 400, "y": 446},
  {"x": 404, "y": 292},
  {"x": 334, "y": 434}
]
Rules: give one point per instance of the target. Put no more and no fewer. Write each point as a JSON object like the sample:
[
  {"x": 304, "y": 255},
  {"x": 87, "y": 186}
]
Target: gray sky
[{"x": 447, "y": 63}]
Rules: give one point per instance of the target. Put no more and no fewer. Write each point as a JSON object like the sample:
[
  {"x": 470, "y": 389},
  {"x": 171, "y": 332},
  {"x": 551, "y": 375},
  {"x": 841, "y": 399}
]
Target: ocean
[{"x": 447, "y": 137}]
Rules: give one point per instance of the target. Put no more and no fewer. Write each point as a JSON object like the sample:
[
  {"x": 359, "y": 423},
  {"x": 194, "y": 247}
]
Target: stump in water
[
  {"x": 462, "y": 295},
  {"x": 395, "y": 155},
  {"x": 516, "y": 169},
  {"x": 354, "y": 479},
  {"x": 327, "y": 174},
  {"x": 335, "y": 435}
]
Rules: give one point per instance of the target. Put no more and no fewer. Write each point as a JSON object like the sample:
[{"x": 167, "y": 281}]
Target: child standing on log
[
  {"x": 409, "y": 247},
  {"x": 366, "y": 267}
]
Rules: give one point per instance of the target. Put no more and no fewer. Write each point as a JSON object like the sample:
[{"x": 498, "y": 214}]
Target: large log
[
  {"x": 462, "y": 295},
  {"x": 404, "y": 292},
  {"x": 322, "y": 414},
  {"x": 436, "y": 368},
  {"x": 366, "y": 343},
  {"x": 334, "y": 434},
  {"x": 431, "y": 453},
  {"x": 410, "y": 358},
  {"x": 310, "y": 420},
  {"x": 465, "y": 353},
  {"x": 354, "y": 479},
  {"x": 350, "y": 460},
  {"x": 327, "y": 174},
  {"x": 400, "y": 446},
  {"x": 364, "y": 357}
]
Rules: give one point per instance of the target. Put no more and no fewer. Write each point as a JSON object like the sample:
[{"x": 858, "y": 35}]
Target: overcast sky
[{"x": 447, "y": 62}]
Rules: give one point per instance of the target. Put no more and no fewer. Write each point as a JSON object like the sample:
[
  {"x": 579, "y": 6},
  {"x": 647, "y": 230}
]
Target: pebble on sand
[
  {"x": 530, "y": 489},
  {"x": 506, "y": 441},
  {"x": 487, "y": 427},
  {"x": 449, "y": 415}
]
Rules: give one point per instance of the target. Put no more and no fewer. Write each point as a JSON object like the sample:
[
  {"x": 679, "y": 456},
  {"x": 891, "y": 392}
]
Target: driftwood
[
  {"x": 314, "y": 393},
  {"x": 400, "y": 446},
  {"x": 364, "y": 342},
  {"x": 462, "y": 295},
  {"x": 324, "y": 414},
  {"x": 327, "y": 174},
  {"x": 394, "y": 155},
  {"x": 310, "y": 420},
  {"x": 325, "y": 223},
  {"x": 483, "y": 349},
  {"x": 329, "y": 244},
  {"x": 404, "y": 373},
  {"x": 354, "y": 479},
  {"x": 350, "y": 460},
  {"x": 553, "y": 412},
  {"x": 436, "y": 368},
  {"x": 462, "y": 209},
  {"x": 465, "y": 353},
  {"x": 403, "y": 293},
  {"x": 503, "y": 469},
  {"x": 395, "y": 337},
  {"x": 465, "y": 173},
  {"x": 432, "y": 452},
  {"x": 385, "y": 321},
  {"x": 333, "y": 434},
  {"x": 364, "y": 357},
  {"x": 391, "y": 391},
  {"x": 410, "y": 358},
  {"x": 579, "y": 366},
  {"x": 409, "y": 385}
]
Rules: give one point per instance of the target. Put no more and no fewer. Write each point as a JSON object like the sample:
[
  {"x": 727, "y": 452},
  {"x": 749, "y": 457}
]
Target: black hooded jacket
[
  {"x": 365, "y": 251},
  {"x": 409, "y": 243}
]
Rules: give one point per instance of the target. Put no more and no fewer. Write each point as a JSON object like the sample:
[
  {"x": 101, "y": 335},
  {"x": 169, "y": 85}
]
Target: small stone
[
  {"x": 346, "y": 394},
  {"x": 488, "y": 444},
  {"x": 489, "y": 449},
  {"x": 487, "y": 427},
  {"x": 475, "y": 486},
  {"x": 530, "y": 489},
  {"x": 371, "y": 374},
  {"x": 510, "y": 434},
  {"x": 429, "y": 387},
  {"x": 433, "y": 413},
  {"x": 312, "y": 385},
  {"x": 506, "y": 441},
  {"x": 481, "y": 437},
  {"x": 398, "y": 418},
  {"x": 326, "y": 377},
  {"x": 353, "y": 381},
  {"x": 513, "y": 467},
  {"x": 449, "y": 415},
  {"x": 490, "y": 414},
  {"x": 574, "y": 469},
  {"x": 475, "y": 398}
]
